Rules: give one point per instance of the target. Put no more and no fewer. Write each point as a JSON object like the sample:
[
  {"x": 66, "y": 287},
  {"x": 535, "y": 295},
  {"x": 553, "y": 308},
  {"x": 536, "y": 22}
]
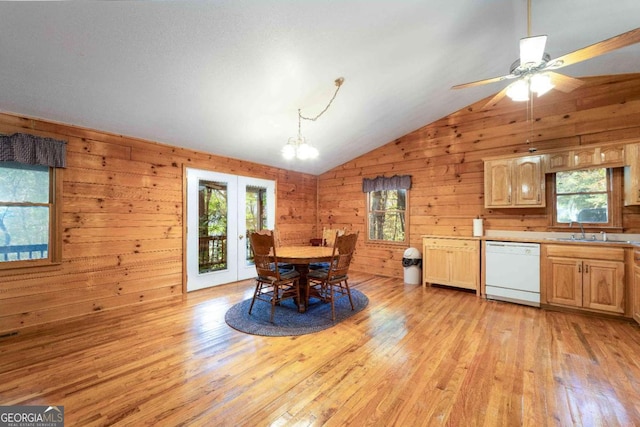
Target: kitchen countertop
[{"x": 613, "y": 239}]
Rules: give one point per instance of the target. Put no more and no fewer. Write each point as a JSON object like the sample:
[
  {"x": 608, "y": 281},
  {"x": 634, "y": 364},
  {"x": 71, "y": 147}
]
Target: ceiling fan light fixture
[
  {"x": 532, "y": 50},
  {"x": 541, "y": 83},
  {"x": 519, "y": 90}
]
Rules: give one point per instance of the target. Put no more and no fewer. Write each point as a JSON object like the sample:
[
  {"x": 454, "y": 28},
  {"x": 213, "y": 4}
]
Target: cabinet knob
[{"x": 580, "y": 268}]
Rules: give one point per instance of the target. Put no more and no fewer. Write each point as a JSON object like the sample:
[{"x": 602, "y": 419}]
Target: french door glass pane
[
  {"x": 255, "y": 215},
  {"x": 212, "y": 226}
]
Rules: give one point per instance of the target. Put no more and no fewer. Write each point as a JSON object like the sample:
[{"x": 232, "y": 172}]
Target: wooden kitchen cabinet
[
  {"x": 514, "y": 183},
  {"x": 452, "y": 262},
  {"x": 586, "y": 157},
  {"x": 632, "y": 175},
  {"x": 591, "y": 278},
  {"x": 636, "y": 286}
]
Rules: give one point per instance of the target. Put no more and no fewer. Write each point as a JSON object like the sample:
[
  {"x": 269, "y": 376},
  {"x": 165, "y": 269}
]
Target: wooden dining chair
[
  {"x": 273, "y": 283},
  {"x": 328, "y": 239},
  {"x": 329, "y": 235},
  {"x": 332, "y": 283}
]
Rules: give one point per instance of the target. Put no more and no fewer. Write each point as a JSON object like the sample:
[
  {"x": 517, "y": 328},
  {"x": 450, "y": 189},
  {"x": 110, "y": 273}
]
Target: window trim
[
  {"x": 615, "y": 195},
  {"x": 54, "y": 256},
  {"x": 407, "y": 216}
]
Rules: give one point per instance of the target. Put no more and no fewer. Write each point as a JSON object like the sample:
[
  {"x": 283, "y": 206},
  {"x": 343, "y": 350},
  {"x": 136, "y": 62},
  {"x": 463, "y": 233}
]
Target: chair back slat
[
  {"x": 343, "y": 250},
  {"x": 329, "y": 235},
  {"x": 264, "y": 254}
]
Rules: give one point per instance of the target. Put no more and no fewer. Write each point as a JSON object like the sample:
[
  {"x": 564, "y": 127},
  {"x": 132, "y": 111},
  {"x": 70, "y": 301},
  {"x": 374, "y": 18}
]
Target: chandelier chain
[
  {"x": 338, "y": 82},
  {"x": 299, "y": 147}
]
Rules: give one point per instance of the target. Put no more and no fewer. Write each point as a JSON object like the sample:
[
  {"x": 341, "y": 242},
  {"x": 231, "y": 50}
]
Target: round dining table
[{"x": 300, "y": 257}]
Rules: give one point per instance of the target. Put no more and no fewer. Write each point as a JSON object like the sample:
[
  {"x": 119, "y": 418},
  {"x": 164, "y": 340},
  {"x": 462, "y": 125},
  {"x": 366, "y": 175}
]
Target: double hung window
[
  {"x": 387, "y": 209},
  {"x": 588, "y": 197},
  {"x": 30, "y": 195}
]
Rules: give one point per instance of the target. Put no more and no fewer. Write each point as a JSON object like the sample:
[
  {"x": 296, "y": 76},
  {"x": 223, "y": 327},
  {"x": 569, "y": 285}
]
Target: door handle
[
  {"x": 240, "y": 236},
  {"x": 586, "y": 268},
  {"x": 580, "y": 268}
]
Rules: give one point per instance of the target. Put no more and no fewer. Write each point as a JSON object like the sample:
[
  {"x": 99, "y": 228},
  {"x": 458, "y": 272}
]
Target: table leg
[{"x": 303, "y": 269}]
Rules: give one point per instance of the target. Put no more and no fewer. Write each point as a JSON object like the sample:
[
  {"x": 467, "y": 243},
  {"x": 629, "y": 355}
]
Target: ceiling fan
[{"x": 534, "y": 70}]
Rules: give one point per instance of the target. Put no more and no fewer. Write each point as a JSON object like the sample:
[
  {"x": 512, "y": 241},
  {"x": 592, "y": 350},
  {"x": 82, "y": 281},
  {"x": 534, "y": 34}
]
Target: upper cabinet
[
  {"x": 632, "y": 175},
  {"x": 514, "y": 183},
  {"x": 518, "y": 182},
  {"x": 586, "y": 157}
]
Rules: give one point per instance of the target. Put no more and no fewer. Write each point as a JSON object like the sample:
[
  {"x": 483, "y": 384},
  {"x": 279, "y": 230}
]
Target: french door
[{"x": 221, "y": 210}]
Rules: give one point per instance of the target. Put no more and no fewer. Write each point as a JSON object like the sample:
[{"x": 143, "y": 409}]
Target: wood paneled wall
[
  {"x": 445, "y": 160},
  {"x": 123, "y": 202},
  {"x": 123, "y": 222}
]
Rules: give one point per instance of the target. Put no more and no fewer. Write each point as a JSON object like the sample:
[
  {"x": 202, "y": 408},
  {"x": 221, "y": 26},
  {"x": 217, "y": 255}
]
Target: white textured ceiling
[{"x": 227, "y": 77}]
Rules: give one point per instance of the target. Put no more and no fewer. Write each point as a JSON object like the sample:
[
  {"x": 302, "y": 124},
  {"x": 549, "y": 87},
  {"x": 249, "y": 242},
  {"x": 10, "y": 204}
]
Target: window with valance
[
  {"x": 387, "y": 207},
  {"x": 30, "y": 195}
]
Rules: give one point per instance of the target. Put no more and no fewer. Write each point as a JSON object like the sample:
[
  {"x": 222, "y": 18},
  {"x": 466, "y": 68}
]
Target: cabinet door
[
  {"x": 436, "y": 265},
  {"x": 636, "y": 289},
  {"x": 559, "y": 161},
  {"x": 564, "y": 281},
  {"x": 632, "y": 175},
  {"x": 603, "y": 285},
  {"x": 464, "y": 268},
  {"x": 585, "y": 157},
  {"x": 612, "y": 156},
  {"x": 497, "y": 183},
  {"x": 528, "y": 181}
]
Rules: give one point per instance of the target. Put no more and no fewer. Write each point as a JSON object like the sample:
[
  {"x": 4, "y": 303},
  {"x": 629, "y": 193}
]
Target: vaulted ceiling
[{"x": 228, "y": 76}]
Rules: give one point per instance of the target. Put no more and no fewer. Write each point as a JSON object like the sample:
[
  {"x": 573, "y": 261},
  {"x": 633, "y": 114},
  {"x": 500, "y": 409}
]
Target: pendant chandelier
[{"x": 298, "y": 147}]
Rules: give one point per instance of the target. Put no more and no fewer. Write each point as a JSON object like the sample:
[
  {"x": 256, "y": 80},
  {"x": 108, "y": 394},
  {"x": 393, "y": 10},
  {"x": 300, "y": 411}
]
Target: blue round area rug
[{"x": 287, "y": 321}]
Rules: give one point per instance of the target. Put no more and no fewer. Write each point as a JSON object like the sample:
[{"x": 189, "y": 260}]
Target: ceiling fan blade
[
  {"x": 597, "y": 49},
  {"x": 532, "y": 49},
  {"x": 496, "y": 98},
  {"x": 484, "y": 82},
  {"x": 564, "y": 83}
]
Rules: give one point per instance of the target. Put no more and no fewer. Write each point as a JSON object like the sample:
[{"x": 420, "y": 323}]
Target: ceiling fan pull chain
[{"x": 528, "y": 18}]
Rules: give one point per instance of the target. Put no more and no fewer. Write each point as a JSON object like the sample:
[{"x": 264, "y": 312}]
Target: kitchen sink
[{"x": 580, "y": 240}]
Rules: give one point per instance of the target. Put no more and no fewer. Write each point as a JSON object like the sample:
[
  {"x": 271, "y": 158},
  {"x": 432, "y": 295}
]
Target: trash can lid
[{"x": 412, "y": 253}]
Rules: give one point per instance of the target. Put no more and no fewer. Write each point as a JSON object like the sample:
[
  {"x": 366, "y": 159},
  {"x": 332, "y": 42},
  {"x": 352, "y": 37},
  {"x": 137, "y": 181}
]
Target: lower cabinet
[
  {"x": 588, "y": 278},
  {"x": 452, "y": 262},
  {"x": 636, "y": 286}
]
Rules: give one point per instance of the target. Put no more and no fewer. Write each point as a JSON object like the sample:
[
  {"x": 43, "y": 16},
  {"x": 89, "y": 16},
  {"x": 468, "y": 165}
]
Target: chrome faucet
[{"x": 584, "y": 237}]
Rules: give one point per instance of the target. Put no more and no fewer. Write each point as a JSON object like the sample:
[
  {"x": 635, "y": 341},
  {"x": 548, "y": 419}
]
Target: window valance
[
  {"x": 380, "y": 183},
  {"x": 33, "y": 150}
]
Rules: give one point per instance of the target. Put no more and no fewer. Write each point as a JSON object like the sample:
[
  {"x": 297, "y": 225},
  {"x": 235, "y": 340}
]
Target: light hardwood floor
[{"x": 414, "y": 356}]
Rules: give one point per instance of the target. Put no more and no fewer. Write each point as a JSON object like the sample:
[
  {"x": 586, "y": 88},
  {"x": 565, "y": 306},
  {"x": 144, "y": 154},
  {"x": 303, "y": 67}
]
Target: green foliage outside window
[
  {"x": 582, "y": 196},
  {"x": 256, "y": 212},
  {"x": 213, "y": 215},
  {"x": 386, "y": 210}
]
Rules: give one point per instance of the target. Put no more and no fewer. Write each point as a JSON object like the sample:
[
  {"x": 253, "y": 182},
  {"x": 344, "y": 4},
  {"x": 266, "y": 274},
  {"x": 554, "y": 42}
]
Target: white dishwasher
[{"x": 513, "y": 272}]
